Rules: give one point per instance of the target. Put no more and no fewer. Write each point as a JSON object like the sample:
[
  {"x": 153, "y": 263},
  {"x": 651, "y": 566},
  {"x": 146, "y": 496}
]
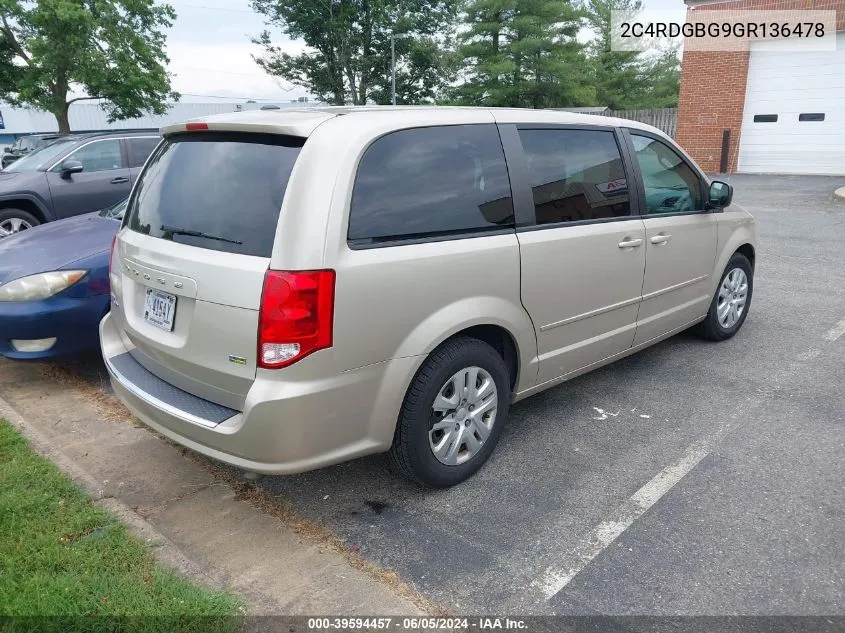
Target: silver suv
[{"x": 296, "y": 289}]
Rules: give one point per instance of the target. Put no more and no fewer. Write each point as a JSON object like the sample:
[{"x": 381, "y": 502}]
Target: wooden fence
[{"x": 664, "y": 119}]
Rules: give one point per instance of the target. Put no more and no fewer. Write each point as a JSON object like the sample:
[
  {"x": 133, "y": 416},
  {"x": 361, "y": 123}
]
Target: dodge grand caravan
[{"x": 295, "y": 289}]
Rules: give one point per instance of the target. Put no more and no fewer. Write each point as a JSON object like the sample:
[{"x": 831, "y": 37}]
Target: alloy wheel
[
  {"x": 733, "y": 294},
  {"x": 13, "y": 225},
  {"x": 463, "y": 415}
]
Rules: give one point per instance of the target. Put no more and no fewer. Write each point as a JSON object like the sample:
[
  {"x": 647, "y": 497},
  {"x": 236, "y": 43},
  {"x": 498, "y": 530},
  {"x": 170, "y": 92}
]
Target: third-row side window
[
  {"x": 431, "y": 181},
  {"x": 575, "y": 175}
]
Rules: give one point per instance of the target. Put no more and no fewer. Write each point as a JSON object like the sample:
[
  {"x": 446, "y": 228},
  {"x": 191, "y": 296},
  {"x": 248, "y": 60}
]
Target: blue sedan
[{"x": 54, "y": 285}]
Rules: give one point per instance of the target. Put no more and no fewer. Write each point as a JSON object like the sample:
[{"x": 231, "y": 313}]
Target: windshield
[
  {"x": 41, "y": 157},
  {"x": 116, "y": 211}
]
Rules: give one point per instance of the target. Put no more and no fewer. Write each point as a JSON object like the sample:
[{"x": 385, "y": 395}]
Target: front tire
[
  {"x": 14, "y": 220},
  {"x": 731, "y": 302},
  {"x": 453, "y": 414}
]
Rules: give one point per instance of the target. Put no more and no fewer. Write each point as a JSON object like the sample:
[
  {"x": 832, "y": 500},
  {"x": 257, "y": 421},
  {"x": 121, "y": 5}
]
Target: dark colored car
[
  {"x": 54, "y": 285},
  {"x": 24, "y": 145},
  {"x": 73, "y": 175}
]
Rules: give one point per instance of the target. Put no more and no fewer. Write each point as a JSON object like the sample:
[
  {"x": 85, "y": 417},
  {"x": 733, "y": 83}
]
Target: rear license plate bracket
[{"x": 160, "y": 309}]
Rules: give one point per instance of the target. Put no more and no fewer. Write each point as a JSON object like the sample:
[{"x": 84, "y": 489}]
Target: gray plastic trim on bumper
[{"x": 161, "y": 394}]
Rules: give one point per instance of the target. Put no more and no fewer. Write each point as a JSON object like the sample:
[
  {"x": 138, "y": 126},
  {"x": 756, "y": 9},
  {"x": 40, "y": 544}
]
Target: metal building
[{"x": 90, "y": 117}]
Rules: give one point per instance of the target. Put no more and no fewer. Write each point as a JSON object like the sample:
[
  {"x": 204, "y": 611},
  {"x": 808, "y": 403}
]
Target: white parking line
[
  {"x": 554, "y": 579},
  {"x": 836, "y": 331}
]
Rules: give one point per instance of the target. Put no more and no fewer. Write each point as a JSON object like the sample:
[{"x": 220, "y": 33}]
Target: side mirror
[
  {"x": 71, "y": 167},
  {"x": 721, "y": 194}
]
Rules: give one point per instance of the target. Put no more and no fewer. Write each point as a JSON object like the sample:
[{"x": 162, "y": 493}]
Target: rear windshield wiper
[{"x": 175, "y": 230}]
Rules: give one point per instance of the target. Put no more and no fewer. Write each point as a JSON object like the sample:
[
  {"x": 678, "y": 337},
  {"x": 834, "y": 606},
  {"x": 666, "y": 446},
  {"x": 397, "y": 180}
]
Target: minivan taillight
[{"x": 296, "y": 314}]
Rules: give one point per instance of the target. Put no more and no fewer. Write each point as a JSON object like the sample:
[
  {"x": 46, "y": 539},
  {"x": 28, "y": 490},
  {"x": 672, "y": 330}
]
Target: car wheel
[
  {"x": 731, "y": 302},
  {"x": 15, "y": 220},
  {"x": 453, "y": 414}
]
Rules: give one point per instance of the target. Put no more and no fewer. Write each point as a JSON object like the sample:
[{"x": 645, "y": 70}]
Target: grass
[{"x": 65, "y": 563}]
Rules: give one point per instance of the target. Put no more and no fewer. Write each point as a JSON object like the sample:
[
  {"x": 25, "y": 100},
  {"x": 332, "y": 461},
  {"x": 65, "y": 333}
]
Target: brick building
[{"x": 785, "y": 108}]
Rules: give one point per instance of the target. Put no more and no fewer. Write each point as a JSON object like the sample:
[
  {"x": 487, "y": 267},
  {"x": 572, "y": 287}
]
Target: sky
[{"x": 211, "y": 53}]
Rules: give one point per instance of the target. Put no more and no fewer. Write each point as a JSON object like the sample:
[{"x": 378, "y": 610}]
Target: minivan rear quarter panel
[{"x": 402, "y": 300}]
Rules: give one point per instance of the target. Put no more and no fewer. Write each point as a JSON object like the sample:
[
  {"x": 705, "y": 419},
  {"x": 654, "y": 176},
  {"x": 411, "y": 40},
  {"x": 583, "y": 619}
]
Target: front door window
[
  {"x": 671, "y": 186},
  {"x": 97, "y": 156}
]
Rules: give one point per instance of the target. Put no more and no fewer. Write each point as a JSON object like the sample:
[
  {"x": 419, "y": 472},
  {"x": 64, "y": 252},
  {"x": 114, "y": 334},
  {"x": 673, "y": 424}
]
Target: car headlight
[{"x": 39, "y": 286}]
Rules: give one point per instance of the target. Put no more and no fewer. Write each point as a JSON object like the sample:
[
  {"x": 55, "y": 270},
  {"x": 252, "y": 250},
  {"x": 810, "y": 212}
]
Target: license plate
[{"x": 160, "y": 308}]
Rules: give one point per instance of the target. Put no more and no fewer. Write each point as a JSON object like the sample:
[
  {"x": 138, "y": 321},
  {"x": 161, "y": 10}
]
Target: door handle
[
  {"x": 119, "y": 180},
  {"x": 660, "y": 238},
  {"x": 629, "y": 243}
]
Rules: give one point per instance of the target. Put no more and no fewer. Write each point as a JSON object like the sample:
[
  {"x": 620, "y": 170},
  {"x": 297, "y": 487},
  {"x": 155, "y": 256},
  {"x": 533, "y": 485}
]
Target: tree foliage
[
  {"x": 523, "y": 53},
  {"x": 347, "y": 59},
  {"x": 663, "y": 76},
  {"x": 109, "y": 49},
  {"x": 625, "y": 79}
]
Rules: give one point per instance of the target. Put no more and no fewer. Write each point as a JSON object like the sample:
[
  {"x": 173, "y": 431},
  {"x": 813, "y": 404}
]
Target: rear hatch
[{"x": 196, "y": 244}]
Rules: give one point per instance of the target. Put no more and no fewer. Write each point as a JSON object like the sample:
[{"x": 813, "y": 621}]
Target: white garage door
[{"x": 794, "y": 118}]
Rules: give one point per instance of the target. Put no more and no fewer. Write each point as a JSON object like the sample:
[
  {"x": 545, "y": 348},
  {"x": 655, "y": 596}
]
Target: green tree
[
  {"x": 523, "y": 53},
  {"x": 483, "y": 50},
  {"x": 663, "y": 75},
  {"x": 347, "y": 59},
  {"x": 627, "y": 79},
  {"x": 107, "y": 49}
]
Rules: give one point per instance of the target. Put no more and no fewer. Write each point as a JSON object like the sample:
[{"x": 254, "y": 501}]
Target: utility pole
[
  {"x": 393, "y": 69},
  {"x": 393, "y": 39}
]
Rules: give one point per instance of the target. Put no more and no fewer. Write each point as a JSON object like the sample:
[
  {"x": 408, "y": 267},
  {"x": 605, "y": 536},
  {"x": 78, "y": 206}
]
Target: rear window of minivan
[
  {"x": 216, "y": 190},
  {"x": 431, "y": 182}
]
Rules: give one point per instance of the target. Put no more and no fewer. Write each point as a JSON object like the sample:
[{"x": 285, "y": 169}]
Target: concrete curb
[
  {"x": 203, "y": 525},
  {"x": 839, "y": 195}
]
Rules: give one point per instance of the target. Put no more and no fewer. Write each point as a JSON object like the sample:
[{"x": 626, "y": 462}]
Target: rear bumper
[
  {"x": 73, "y": 322},
  {"x": 300, "y": 418}
]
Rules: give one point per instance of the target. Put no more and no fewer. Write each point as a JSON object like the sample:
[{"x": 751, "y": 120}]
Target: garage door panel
[
  {"x": 789, "y": 84},
  {"x": 788, "y": 110},
  {"x": 829, "y": 69},
  {"x": 805, "y": 88},
  {"x": 829, "y": 143},
  {"x": 788, "y": 124},
  {"x": 785, "y": 162},
  {"x": 781, "y": 165},
  {"x": 798, "y": 91},
  {"x": 828, "y": 72},
  {"x": 772, "y": 63}
]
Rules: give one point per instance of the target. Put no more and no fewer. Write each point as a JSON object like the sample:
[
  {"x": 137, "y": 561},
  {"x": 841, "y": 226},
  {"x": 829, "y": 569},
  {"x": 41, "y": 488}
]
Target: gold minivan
[{"x": 293, "y": 289}]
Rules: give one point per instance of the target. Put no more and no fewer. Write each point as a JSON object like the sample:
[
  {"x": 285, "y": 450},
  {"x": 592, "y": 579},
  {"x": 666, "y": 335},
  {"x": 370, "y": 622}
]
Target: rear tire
[
  {"x": 467, "y": 431},
  {"x": 14, "y": 220},
  {"x": 731, "y": 301}
]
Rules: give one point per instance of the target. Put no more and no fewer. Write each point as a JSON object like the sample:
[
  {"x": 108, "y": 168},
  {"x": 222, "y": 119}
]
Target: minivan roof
[{"x": 302, "y": 121}]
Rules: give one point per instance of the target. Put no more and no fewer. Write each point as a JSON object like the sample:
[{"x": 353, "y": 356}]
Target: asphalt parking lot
[{"x": 691, "y": 478}]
